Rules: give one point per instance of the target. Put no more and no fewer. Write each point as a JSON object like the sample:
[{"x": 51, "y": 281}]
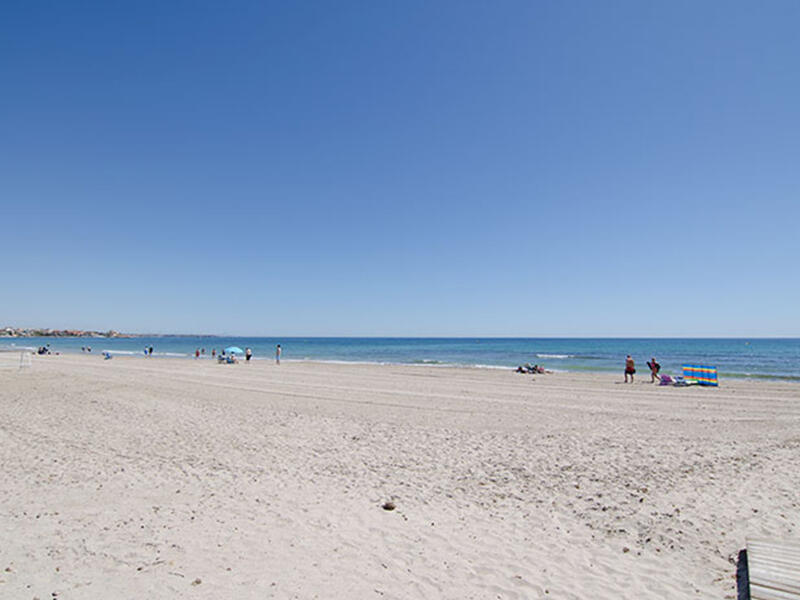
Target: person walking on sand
[
  {"x": 630, "y": 368},
  {"x": 278, "y": 354},
  {"x": 654, "y": 369},
  {"x": 247, "y": 354}
]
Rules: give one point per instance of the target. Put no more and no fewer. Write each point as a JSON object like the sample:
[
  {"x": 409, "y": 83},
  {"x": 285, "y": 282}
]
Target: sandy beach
[{"x": 137, "y": 478}]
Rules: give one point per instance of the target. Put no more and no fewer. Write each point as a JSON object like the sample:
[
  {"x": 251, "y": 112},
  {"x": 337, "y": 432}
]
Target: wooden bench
[{"x": 773, "y": 570}]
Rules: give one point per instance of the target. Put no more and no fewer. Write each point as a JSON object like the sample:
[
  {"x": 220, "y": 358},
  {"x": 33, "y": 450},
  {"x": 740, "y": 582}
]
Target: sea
[{"x": 756, "y": 358}]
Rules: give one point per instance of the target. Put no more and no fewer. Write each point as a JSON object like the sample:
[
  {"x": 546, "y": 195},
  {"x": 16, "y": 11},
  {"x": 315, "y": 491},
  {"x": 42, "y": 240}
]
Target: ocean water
[{"x": 755, "y": 358}]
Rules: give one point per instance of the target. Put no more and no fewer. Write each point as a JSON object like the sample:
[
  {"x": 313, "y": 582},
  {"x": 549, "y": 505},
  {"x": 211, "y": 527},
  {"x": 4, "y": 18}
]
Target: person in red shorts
[{"x": 630, "y": 368}]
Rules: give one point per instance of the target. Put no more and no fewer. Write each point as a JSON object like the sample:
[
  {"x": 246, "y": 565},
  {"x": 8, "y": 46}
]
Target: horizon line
[{"x": 407, "y": 337}]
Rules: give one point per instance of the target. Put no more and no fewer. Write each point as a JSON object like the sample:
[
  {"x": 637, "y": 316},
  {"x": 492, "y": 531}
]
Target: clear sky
[{"x": 532, "y": 168}]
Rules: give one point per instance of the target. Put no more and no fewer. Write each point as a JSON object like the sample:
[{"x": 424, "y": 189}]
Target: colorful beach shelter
[
  {"x": 700, "y": 375},
  {"x": 234, "y": 350}
]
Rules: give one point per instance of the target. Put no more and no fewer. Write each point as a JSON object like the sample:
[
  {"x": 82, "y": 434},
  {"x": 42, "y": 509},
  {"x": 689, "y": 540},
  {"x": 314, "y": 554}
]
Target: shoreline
[{"x": 125, "y": 354}]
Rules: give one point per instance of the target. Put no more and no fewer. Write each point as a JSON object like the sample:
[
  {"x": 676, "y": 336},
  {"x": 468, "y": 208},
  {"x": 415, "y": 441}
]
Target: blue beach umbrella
[{"x": 234, "y": 350}]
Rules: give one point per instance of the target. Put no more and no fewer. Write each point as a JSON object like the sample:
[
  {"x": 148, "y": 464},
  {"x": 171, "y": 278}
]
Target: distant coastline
[
  {"x": 30, "y": 332},
  {"x": 25, "y": 332}
]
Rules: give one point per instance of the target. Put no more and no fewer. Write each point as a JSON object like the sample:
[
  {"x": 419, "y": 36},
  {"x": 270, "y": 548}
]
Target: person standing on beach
[
  {"x": 630, "y": 368},
  {"x": 197, "y": 353},
  {"x": 278, "y": 355},
  {"x": 247, "y": 354},
  {"x": 151, "y": 351}
]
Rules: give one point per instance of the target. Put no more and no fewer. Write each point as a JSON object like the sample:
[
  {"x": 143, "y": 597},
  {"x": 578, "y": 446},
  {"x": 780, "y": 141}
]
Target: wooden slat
[
  {"x": 758, "y": 592},
  {"x": 774, "y": 569}
]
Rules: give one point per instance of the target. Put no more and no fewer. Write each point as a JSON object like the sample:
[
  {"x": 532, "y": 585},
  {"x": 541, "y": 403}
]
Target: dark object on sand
[
  {"x": 533, "y": 370},
  {"x": 388, "y": 505},
  {"x": 742, "y": 577}
]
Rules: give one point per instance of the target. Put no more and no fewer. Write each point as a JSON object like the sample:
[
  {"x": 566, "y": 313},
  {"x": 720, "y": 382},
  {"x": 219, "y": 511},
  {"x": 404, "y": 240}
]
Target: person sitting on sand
[
  {"x": 630, "y": 368},
  {"x": 654, "y": 369}
]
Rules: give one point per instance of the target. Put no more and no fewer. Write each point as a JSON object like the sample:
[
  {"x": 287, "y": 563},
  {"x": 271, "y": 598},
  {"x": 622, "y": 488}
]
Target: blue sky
[{"x": 414, "y": 168}]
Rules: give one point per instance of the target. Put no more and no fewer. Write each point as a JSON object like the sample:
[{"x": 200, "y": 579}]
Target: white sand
[{"x": 136, "y": 478}]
